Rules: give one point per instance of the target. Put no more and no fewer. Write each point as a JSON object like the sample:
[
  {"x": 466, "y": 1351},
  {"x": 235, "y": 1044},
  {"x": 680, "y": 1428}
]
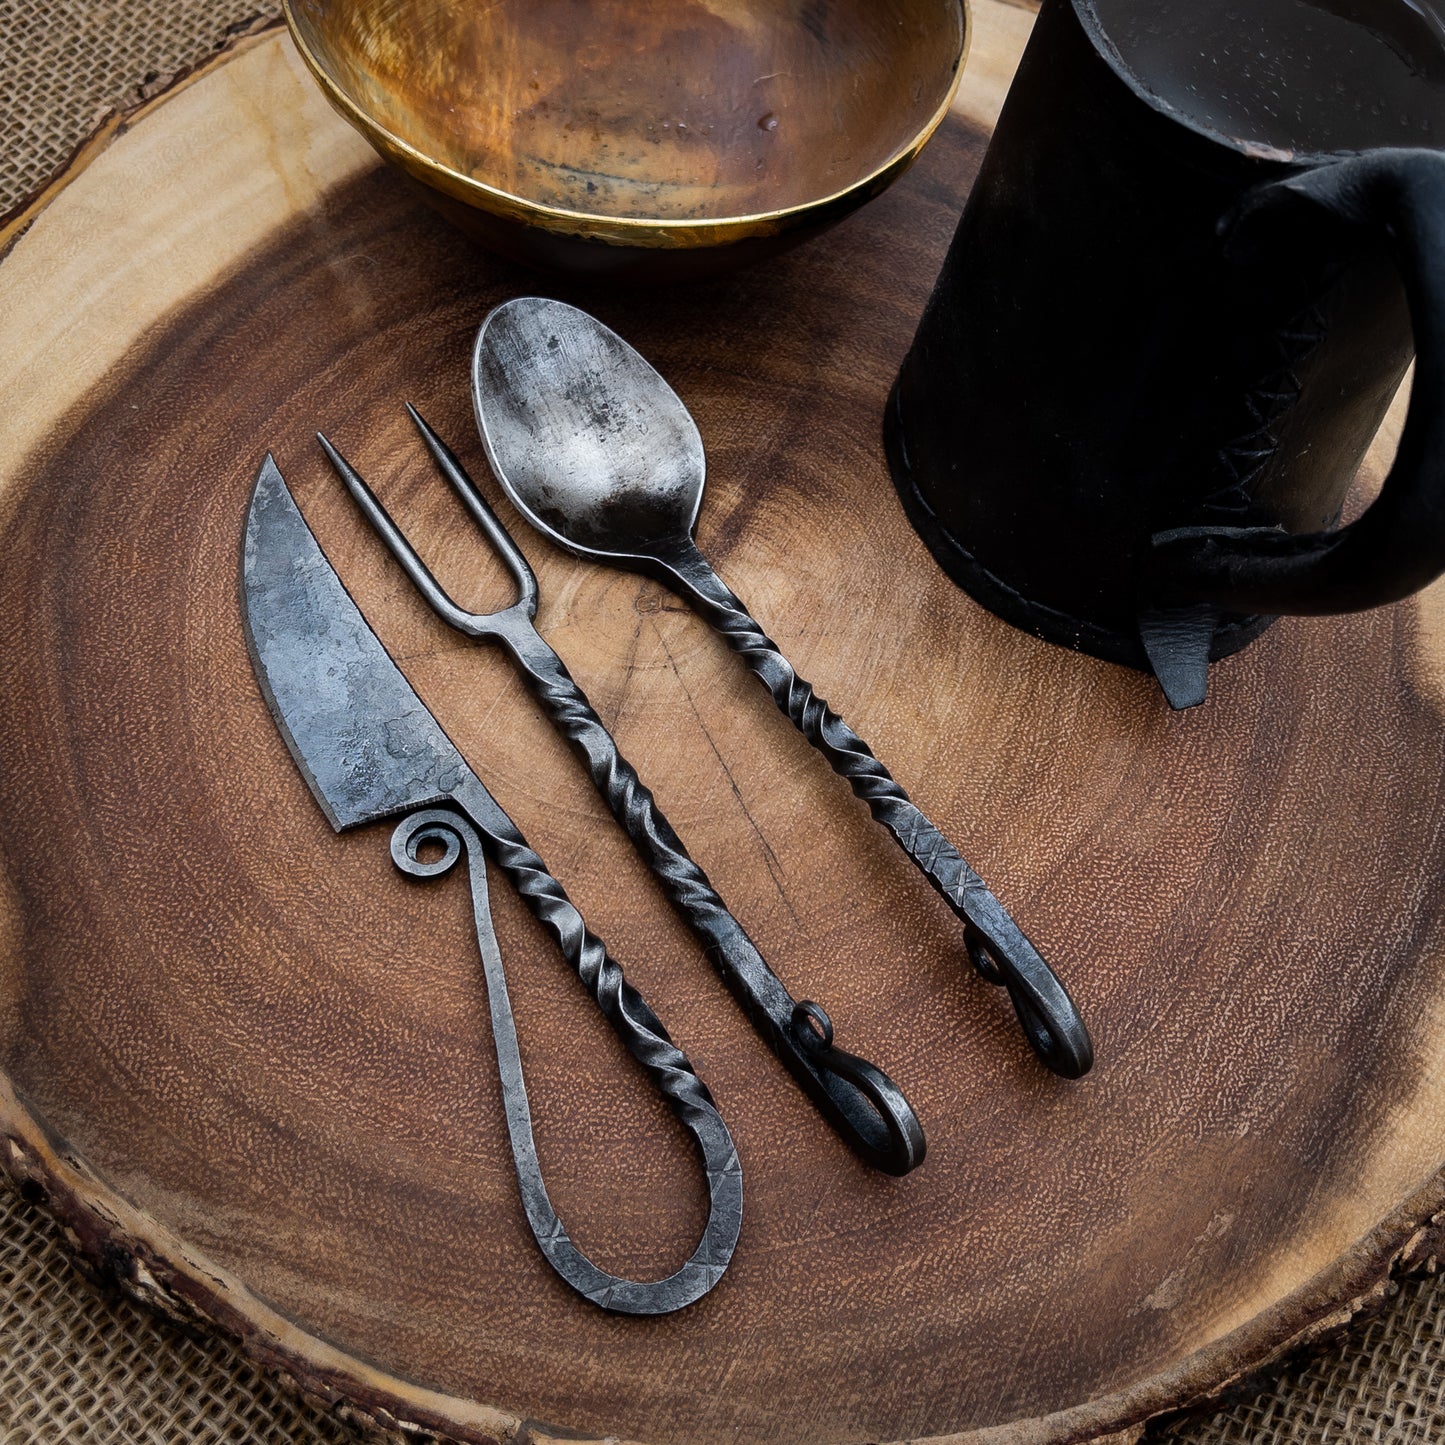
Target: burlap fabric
[
  {"x": 65, "y": 63},
  {"x": 78, "y": 1366},
  {"x": 81, "y": 1368}
]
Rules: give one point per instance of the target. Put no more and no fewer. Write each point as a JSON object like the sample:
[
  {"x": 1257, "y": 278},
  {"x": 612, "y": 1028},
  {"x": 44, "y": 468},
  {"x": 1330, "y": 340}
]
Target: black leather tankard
[{"x": 1204, "y": 245}]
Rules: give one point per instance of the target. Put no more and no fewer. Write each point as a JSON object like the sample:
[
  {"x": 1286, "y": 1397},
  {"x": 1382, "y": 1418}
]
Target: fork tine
[
  {"x": 481, "y": 510},
  {"x": 405, "y": 554}
]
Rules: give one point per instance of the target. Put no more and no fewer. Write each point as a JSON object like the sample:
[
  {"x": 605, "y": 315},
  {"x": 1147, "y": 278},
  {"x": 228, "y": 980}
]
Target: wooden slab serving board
[{"x": 246, "y": 1062}]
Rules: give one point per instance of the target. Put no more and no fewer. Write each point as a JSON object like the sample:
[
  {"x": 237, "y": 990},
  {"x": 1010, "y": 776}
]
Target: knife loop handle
[
  {"x": 997, "y": 947},
  {"x": 639, "y": 1029}
]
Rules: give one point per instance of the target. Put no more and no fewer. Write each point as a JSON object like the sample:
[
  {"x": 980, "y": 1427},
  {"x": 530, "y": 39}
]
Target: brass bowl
[{"x": 640, "y": 140}]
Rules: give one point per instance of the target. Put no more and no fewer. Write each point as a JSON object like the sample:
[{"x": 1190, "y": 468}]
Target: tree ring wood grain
[{"x": 246, "y": 1064}]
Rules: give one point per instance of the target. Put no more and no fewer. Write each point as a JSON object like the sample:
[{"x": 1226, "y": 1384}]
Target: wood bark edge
[
  {"x": 17, "y": 220},
  {"x": 118, "y": 1245}
]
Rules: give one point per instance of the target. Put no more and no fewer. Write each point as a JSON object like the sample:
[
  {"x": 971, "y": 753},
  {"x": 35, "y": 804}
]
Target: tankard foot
[{"x": 1177, "y": 641}]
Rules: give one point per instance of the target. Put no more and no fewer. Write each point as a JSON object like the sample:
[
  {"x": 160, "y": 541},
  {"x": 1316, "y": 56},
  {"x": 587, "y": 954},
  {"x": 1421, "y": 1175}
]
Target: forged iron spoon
[{"x": 599, "y": 453}]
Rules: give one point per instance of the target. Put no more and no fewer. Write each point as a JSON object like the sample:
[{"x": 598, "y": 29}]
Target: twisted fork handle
[{"x": 862, "y": 1103}]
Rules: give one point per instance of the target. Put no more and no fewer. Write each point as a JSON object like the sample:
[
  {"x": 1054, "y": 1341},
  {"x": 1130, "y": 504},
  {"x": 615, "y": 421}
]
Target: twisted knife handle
[
  {"x": 998, "y": 948},
  {"x": 627, "y": 1012},
  {"x": 862, "y": 1103}
]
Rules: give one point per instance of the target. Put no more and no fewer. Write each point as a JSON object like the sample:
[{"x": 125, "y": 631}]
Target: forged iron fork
[{"x": 860, "y": 1101}]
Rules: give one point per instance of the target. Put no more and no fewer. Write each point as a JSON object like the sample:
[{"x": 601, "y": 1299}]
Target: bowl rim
[{"x": 647, "y": 231}]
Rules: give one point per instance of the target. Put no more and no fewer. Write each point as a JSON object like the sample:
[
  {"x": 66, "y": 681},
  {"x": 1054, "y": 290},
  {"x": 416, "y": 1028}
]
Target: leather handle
[{"x": 1398, "y": 545}]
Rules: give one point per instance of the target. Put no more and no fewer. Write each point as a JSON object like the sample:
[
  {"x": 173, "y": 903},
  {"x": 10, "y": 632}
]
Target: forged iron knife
[{"x": 369, "y": 749}]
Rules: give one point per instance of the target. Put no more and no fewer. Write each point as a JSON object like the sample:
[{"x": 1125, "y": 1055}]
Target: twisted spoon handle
[
  {"x": 999, "y": 949},
  {"x": 628, "y": 1013},
  {"x": 861, "y": 1102}
]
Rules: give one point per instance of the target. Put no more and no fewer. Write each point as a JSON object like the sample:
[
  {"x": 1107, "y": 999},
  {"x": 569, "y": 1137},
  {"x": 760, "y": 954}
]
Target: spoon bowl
[{"x": 589, "y": 441}]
